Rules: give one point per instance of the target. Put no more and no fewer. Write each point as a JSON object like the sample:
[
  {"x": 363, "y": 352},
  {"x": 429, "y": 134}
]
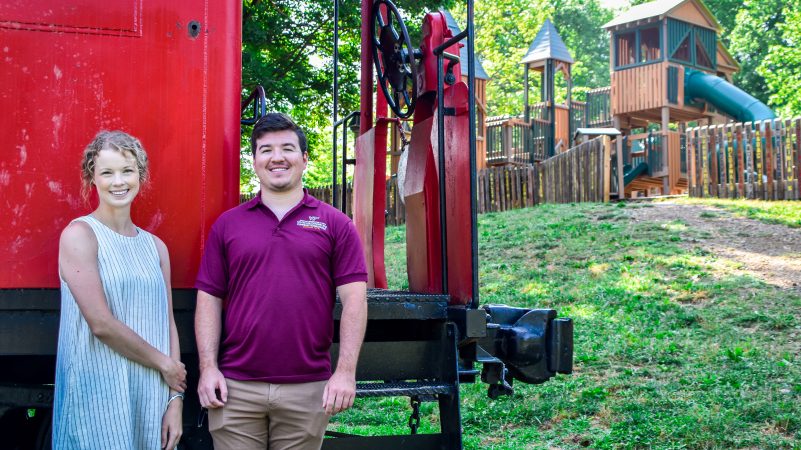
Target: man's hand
[
  {"x": 339, "y": 393},
  {"x": 172, "y": 426},
  {"x": 211, "y": 381}
]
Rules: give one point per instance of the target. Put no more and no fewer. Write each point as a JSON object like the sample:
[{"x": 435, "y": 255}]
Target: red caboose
[
  {"x": 169, "y": 73},
  {"x": 151, "y": 69}
]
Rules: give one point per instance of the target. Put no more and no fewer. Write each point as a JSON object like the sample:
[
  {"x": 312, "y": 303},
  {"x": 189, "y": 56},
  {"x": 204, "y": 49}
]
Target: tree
[
  {"x": 287, "y": 47},
  {"x": 506, "y": 28},
  {"x": 579, "y": 24},
  {"x": 756, "y": 31},
  {"x": 781, "y": 67}
]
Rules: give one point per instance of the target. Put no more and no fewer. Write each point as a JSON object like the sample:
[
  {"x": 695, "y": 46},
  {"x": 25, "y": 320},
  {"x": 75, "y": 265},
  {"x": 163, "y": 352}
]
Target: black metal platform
[
  {"x": 402, "y": 389},
  {"x": 384, "y": 304}
]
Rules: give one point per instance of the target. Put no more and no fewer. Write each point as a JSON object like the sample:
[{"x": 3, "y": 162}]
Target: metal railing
[
  {"x": 598, "y": 110},
  {"x": 512, "y": 140}
]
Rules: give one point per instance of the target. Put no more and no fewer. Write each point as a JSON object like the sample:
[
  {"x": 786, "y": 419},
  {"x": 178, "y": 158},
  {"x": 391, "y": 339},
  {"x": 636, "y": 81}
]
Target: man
[{"x": 263, "y": 320}]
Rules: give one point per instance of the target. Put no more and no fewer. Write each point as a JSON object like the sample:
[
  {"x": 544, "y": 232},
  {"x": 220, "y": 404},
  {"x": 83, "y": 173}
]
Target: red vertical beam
[
  {"x": 380, "y": 145},
  {"x": 366, "y": 84},
  {"x": 379, "y": 193}
]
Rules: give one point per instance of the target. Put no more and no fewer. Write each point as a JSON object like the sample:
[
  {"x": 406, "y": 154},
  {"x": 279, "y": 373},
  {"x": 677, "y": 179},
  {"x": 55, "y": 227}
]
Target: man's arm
[
  {"x": 341, "y": 388},
  {"x": 208, "y": 326}
]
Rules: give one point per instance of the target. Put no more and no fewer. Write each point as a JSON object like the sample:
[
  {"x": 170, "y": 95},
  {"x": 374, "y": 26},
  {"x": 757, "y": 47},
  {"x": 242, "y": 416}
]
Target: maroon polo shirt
[{"x": 277, "y": 280}]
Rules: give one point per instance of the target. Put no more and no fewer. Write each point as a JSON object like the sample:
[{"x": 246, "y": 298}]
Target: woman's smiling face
[{"x": 116, "y": 177}]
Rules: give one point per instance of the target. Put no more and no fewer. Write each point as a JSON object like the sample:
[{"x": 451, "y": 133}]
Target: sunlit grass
[
  {"x": 674, "y": 347},
  {"x": 779, "y": 212}
]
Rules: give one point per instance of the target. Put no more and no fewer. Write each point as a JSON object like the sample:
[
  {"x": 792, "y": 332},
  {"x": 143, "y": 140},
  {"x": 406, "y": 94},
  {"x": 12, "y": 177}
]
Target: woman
[{"x": 119, "y": 378}]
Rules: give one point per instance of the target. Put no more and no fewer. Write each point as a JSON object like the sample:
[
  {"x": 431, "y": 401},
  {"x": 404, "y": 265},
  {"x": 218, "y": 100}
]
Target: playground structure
[
  {"x": 421, "y": 343},
  {"x": 668, "y": 67}
]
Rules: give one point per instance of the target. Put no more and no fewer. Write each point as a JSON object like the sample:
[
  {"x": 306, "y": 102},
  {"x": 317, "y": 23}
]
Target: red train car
[
  {"x": 151, "y": 68},
  {"x": 166, "y": 71}
]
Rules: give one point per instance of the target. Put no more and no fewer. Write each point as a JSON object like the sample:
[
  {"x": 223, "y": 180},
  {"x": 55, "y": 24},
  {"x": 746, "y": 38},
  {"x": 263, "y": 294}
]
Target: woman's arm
[
  {"x": 171, "y": 422},
  {"x": 77, "y": 262}
]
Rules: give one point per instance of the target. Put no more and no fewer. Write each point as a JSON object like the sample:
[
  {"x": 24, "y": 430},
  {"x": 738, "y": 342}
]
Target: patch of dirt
[{"x": 766, "y": 251}]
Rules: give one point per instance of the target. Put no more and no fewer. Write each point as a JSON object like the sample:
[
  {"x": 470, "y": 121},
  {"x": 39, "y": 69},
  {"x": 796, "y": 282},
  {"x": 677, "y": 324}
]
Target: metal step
[
  {"x": 402, "y": 389},
  {"x": 383, "y": 304}
]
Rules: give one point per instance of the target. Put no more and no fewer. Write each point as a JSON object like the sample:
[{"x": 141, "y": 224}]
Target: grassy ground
[
  {"x": 672, "y": 348},
  {"x": 783, "y": 213}
]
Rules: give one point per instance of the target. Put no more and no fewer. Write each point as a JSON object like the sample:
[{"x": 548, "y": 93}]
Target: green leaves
[
  {"x": 506, "y": 28},
  {"x": 287, "y": 47}
]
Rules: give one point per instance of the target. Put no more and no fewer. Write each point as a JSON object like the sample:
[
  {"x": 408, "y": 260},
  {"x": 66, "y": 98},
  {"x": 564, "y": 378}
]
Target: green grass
[
  {"x": 673, "y": 348},
  {"x": 784, "y": 213}
]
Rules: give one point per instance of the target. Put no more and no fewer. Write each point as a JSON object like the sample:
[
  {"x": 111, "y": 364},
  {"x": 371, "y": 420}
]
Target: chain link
[
  {"x": 414, "y": 418},
  {"x": 402, "y": 135}
]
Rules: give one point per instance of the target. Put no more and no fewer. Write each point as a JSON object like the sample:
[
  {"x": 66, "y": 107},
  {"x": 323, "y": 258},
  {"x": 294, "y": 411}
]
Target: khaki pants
[{"x": 261, "y": 416}]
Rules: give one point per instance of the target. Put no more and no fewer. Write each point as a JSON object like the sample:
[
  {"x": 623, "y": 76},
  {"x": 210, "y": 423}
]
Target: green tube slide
[{"x": 724, "y": 96}]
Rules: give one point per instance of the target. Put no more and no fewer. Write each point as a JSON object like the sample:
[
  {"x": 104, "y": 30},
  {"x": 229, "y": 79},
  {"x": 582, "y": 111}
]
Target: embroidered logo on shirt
[{"x": 312, "y": 223}]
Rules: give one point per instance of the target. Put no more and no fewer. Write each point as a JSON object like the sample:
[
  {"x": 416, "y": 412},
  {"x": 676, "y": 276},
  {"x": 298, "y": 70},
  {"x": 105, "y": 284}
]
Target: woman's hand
[
  {"x": 174, "y": 374},
  {"x": 171, "y": 424}
]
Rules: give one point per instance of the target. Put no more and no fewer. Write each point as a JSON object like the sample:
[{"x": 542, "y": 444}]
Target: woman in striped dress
[{"x": 119, "y": 378}]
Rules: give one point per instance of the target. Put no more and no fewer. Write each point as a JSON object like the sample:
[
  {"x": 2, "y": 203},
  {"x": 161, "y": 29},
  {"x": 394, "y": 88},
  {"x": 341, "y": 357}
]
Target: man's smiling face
[{"x": 278, "y": 161}]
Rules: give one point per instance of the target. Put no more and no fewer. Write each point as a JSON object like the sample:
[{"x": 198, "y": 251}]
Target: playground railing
[
  {"x": 753, "y": 160},
  {"x": 578, "y": 115},
  {"x": 538, "y": 111},
  {"x": 511, "y": 140},
  {"x": 598, "y": 110}
]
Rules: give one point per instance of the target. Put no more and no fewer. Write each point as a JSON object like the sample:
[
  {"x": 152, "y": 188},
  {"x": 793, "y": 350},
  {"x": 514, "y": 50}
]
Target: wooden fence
[
  {"x": 581, "y": 174},
  {"x": 759, "y": 160}
]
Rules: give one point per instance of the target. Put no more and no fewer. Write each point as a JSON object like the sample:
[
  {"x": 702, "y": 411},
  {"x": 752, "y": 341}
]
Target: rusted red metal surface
[
  {"x": 152, "y": 69},
  {"x": 421, "y": 185}
]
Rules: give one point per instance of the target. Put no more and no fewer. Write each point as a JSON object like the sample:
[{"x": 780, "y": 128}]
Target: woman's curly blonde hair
[{"x": 118, "y": 141}]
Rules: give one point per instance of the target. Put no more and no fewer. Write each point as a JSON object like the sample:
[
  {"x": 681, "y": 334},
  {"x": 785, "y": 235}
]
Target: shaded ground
[{"x": 769, "y": 252}]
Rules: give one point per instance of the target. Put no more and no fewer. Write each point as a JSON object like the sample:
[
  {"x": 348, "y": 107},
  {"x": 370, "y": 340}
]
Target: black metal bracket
[
  {"x": 532, "y": 344},
  {"x": 257, "y": 100},
  {"x": 346, "y": 122}
]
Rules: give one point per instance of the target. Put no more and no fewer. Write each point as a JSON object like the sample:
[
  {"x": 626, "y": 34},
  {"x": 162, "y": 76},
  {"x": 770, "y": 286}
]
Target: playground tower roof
[
  {"x": 662, "y": 8},
  {"x": 480, "y": 73},
  {"x": 547, "y": 45}
]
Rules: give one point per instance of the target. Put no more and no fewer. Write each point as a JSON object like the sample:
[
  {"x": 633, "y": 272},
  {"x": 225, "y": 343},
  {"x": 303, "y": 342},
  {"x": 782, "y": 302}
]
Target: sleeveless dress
[{"x": 102, "y": 399}]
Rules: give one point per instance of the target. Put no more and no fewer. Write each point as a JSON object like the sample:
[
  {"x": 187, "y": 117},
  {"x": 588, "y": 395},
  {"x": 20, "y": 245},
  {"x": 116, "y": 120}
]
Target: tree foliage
[
  {"x": 506, "y": 28},
  {"x": 756, "y": 30},
  {"x": 287, "y": 47},
  {"x": 781, "y": 67}
]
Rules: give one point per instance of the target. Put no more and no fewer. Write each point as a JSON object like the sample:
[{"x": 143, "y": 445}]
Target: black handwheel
[{"x": 396, "y": 68}]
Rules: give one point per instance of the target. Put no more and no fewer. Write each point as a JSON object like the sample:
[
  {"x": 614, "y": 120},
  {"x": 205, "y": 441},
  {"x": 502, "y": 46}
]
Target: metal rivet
[{"x": 193, "y": 28}]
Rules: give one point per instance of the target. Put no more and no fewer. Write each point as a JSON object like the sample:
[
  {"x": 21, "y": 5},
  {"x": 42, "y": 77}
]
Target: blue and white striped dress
[{"x": 103, "y": 400}]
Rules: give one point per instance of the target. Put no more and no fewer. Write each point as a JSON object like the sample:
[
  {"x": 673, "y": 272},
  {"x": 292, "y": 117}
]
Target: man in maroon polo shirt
[{"x": 266, "y": 290}]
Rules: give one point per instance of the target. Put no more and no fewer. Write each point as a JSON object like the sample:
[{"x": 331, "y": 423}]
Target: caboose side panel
[{"x": 152, "y": 68}]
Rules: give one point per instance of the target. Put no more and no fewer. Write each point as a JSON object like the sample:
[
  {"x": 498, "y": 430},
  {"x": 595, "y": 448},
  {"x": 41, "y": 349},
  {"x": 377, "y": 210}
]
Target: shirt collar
[{"x": 307, "y": 200}]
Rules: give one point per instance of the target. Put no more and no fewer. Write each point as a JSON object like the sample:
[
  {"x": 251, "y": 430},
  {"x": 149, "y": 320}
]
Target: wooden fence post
[
  {"x": 738, "y": 131},
  {"x": 607, "y": 159},
  {"x": 769, "y": 158},
  {"x": 797, "y": 150}
]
